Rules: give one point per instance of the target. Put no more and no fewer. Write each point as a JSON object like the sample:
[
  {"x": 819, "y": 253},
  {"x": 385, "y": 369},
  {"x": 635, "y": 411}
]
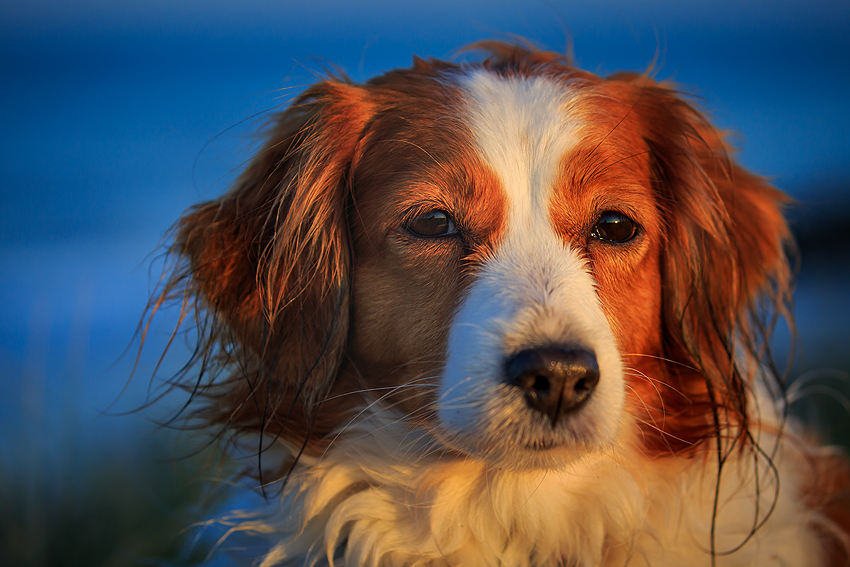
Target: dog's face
[
  {"x": 524, "y": 259},
  {"x": 506, "y": 264}
]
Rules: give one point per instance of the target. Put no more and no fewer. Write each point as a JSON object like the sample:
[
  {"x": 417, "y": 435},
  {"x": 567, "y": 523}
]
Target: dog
[{"x": 506, "y": 313}]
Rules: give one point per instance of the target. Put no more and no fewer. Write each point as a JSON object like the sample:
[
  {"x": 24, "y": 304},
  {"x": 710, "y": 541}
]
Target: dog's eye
[
  {"x": 432, "y": 224},
  {"x": 614, "y": 227}
]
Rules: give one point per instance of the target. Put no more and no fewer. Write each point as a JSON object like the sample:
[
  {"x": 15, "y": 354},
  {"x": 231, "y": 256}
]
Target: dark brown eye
[
  {"x": 432, "y": 224},
  {"x": 614, "y": 227}
]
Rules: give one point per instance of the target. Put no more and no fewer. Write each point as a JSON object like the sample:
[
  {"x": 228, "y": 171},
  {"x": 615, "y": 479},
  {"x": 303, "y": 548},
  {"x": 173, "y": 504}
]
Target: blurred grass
[
  {"x": 103, "y": 512},
  {"x": 79, "y": 487}
]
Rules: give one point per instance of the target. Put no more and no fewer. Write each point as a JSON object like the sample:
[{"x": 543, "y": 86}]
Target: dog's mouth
[{"x": 507, "y": 430}]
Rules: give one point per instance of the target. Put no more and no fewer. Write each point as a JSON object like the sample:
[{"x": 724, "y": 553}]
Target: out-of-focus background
[{"x": 116, "y": 116}]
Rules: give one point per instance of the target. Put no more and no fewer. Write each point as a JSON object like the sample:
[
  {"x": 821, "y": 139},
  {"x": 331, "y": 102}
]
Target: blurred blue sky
[{"x": 116, "y": 116}]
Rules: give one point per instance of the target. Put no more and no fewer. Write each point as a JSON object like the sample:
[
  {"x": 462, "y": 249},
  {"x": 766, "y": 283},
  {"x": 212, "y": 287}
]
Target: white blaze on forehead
[{"x": 523, "y": 130}]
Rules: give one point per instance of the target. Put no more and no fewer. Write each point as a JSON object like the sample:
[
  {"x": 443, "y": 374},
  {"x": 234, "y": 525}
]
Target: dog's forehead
[
  {"x": 505, "y": 150},
  {"x": 523, "y": 127}
]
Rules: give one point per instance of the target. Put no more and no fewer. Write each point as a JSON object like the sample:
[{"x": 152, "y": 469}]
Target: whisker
[
  {"x": 662, "y": 359},
  {"x": 411, "y": 384},
  {"x": 651, "y": 415},
  {"x": 354, "y": 419},
  {"x": 666, "y": 434}
]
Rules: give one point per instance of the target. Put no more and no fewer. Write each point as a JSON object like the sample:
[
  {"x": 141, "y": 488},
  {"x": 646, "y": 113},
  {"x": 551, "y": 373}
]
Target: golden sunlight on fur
[{"x": 505, "y": 313}]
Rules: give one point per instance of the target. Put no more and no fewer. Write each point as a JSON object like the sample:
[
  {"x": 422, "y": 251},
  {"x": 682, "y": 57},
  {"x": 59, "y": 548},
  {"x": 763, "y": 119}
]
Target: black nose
[{"x": 554, "y": 380}]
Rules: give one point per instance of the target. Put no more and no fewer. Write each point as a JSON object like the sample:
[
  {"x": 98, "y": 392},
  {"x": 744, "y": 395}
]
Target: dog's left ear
[
  {"x": 269, "y": 262},
  {"x": 724, "y": 261}
]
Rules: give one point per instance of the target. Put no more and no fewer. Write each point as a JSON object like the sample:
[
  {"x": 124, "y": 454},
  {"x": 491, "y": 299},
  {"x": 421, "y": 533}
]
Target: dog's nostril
[
  {"x": 542, "y": 384},
  {"x": 587, "y": 384},
  {"x": 554, "y": 380}
]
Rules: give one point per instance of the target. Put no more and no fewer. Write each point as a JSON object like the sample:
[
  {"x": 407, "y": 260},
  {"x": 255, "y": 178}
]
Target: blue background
[{"x": 116, "y": 116}]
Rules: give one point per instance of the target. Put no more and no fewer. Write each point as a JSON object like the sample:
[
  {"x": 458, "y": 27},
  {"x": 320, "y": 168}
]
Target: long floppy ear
[
  {"x": 725, "y": 268},
  {"x": 269, "y": 266}
]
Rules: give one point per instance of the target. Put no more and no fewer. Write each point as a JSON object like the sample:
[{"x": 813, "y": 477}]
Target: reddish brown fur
[
  {"x": 647, "y": 141},
  {"x": 270, "y": 259},
  {"x": 411, "y": 286}
]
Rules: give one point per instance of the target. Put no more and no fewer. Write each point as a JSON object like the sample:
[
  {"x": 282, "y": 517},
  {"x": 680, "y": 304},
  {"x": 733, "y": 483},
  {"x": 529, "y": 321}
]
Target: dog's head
[{"x": 522, "y": 258}]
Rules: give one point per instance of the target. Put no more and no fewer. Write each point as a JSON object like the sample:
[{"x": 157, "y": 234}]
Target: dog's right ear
[{"x": 269, "y": 261}]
